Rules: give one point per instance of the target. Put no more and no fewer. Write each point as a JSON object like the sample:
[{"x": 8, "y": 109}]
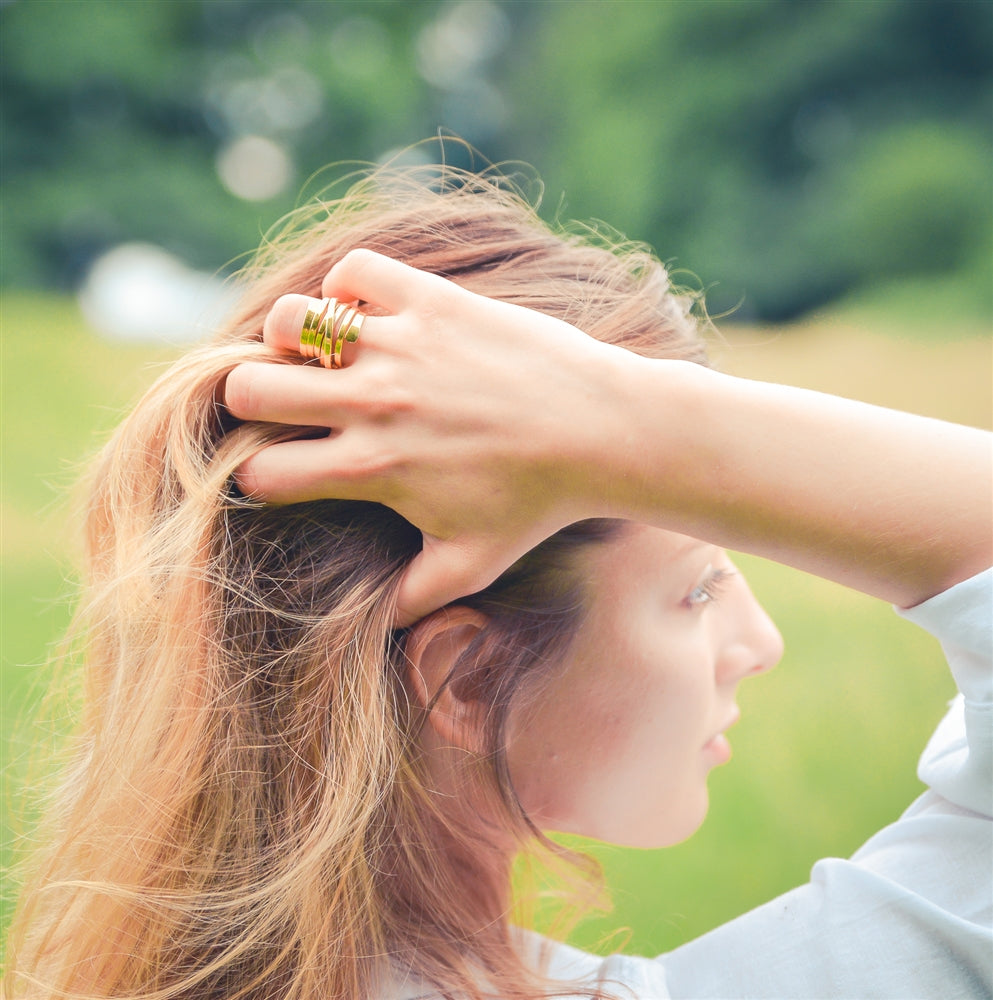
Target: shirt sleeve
[{"x": 910, "y": 914}]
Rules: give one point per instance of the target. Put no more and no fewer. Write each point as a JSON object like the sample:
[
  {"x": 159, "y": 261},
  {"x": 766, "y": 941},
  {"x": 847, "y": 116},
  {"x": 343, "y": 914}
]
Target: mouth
[{"x": 718, "y": 746}]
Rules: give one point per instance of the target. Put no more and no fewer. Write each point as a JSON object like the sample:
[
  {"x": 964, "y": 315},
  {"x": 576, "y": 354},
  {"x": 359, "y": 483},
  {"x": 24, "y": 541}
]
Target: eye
[{"x": 710, "y": 589}]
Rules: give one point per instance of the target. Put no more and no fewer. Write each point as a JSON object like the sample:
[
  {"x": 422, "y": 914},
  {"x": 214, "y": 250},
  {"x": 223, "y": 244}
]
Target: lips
[
  {"x": 733, "y": 716},
  {"x": 718, "y": 746}
]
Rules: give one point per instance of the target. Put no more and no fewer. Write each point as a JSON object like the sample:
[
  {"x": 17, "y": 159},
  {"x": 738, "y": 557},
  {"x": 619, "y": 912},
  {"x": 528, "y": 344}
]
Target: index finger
[
  {"x": 282, "y": 326},
  {"x": 382, "y": 281}
]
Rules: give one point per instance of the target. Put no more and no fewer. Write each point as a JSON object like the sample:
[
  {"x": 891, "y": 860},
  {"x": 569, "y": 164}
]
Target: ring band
[
  {"x": 350, "y": 331},
  {"x": 311, "y": 327},
  {"x": 323, "y": 342},
  {"x": 339, "y": 340},
  {"x": 331, "y": 331},
  {"x": 327, "y": 327}
]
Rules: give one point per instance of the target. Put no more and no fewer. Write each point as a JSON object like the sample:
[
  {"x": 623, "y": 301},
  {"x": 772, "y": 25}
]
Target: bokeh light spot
[
  {"x": 254, "y": 168},
  {"x": 453, "y": 46}
]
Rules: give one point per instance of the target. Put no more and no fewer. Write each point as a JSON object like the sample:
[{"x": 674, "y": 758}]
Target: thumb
[{"x": 444, "y": 571}]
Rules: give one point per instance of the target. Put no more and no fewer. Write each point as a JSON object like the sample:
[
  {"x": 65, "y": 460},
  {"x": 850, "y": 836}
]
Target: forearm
[
  {"x": 490, "y": 427},
  {"x": 894, "y": 505}
]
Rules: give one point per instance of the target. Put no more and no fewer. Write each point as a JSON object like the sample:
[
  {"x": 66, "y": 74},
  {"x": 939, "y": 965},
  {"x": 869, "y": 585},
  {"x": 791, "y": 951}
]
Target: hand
[
  {"x": 490, "y": 427},
  {"x": 474, "y": 419}
]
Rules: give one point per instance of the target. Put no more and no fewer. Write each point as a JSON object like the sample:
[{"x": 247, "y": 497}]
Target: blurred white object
[
  {"x": 140, "y": 292},
  {"x": 254, "y": 168}
]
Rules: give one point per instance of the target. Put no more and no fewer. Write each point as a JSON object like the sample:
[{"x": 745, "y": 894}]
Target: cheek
[
  {"x": 614, "y": 757},
  {"x": 563, "y": 743}
]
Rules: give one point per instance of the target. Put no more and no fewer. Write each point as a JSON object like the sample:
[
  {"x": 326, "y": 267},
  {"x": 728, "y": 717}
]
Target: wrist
[{"x": 646, "y": 437}]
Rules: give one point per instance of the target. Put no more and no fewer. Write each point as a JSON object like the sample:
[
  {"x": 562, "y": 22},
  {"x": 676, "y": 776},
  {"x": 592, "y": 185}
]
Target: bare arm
[
  {"x": 891, "y": 504},
  {"x": 490, "y": 427}
]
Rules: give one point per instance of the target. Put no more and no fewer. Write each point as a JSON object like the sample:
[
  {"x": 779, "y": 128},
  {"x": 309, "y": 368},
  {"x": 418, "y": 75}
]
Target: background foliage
[{"x": 789, "y": 153}]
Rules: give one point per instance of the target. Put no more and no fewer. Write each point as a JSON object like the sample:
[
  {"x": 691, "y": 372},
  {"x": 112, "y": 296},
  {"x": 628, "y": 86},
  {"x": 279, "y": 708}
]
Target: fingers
[
  {"x": 371, "y": 277},
  {"x": 283, "y": 325},
  {"x": 444, "y": 571},
  {"x": 300, "y": 470},
  {"x": 285, "y": 394},
  {"x": 360, "y": 276},
  {"x": 284, "y": 322},
  {"x": 439, "y": 574}
]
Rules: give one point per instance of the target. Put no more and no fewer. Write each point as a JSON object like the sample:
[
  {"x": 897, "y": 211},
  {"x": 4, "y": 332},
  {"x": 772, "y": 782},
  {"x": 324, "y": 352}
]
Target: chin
[
  {"x": 679, "y": 827},
  {"x": 667, "y": 831},
  {"x": 665, "y": 826}
]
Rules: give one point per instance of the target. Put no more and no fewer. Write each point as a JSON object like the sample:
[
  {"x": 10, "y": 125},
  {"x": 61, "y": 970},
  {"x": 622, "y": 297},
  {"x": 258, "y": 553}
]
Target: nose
[{"x": 752, "y": 644}]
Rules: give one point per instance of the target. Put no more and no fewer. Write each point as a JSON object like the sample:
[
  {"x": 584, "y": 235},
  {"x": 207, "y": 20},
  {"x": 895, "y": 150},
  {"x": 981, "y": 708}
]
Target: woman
[{"x": 276, "y": 792}]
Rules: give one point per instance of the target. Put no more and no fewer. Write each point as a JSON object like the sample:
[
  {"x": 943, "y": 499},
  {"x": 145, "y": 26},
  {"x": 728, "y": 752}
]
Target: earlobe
[{"x": 435, "y": 647}]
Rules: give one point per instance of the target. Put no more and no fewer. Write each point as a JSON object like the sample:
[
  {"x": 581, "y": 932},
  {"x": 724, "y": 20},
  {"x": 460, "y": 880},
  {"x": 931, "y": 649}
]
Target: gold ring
[
  {"x": 344, "y": 325},
  {"x": 352, "y": 333},
  {"x": 312, "y": 328},
  {"x": 349, "y": 333},
  {"x": 327, "y": 327},
  {"x": 321, "y": 336},
  {"x": 330, "y": 326}
]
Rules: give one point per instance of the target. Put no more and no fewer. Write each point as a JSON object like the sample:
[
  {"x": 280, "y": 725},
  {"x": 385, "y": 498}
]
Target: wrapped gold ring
[{"x": 327, "y": 327}]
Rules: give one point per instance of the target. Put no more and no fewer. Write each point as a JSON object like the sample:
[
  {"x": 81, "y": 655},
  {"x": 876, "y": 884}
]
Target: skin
[
  {"x": 427, "y": 414},
  {"x": 619, "y": 742}
]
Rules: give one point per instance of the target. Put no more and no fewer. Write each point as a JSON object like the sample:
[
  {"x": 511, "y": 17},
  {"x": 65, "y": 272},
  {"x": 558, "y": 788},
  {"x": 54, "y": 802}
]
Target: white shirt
[{"x": 909, "y": 915}]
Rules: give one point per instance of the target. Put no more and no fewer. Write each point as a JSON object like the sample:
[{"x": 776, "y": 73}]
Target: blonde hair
[{"x": 244, "y": 814}]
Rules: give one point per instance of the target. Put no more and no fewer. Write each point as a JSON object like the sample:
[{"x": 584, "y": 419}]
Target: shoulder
[
  {"x": 958, "y": 761},
  {"x": 624, "y": 976}
]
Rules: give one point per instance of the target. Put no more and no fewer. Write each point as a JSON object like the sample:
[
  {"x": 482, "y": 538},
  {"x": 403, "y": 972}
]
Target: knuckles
[
  {"x": 358, "y": 260},
  {"x": 379, "y": 394},
  {"x": 368, "y": 467},
  {"x": 362, "y": 456},
  {"x": 352, "y": 268}
]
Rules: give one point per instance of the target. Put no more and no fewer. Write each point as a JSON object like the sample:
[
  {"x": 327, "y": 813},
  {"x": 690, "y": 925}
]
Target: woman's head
[{"x": 251, "y": 810}]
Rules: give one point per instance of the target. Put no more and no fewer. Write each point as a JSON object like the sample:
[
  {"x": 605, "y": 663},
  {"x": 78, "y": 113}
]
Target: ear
[{"x": 434, "y": 646}]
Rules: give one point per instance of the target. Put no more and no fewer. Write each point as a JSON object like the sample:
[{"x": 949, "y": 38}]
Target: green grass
[
  {"x": 826, "y": 750},
  {"x": 63, "y": 390}
]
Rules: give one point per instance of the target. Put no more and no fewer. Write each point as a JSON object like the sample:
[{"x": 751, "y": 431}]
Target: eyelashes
[{"x": 710, "y": 589}]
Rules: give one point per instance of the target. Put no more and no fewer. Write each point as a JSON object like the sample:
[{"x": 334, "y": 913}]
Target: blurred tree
[
  {"x": 118, "y": 117},
  {"x": 791, "y": 151},
  {"x": 786, "y": 152}
]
